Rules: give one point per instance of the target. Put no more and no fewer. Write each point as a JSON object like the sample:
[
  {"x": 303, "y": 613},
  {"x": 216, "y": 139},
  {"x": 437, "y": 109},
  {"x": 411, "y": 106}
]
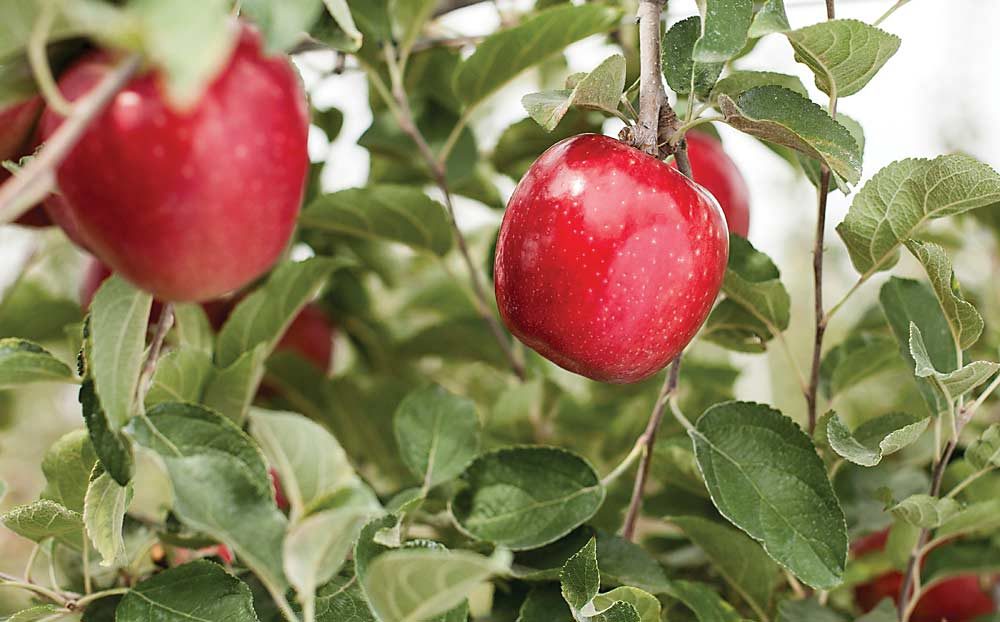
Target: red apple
[
  {"x": 959, "y": 599},
  {"x": 16, "y": 123},
  {"x": 608, "y": 260},
  {"x": 715, "y": 170},
  {"x": 188, "y": 205},
  {"x": 279, "y": 492},
  {"x": 310, "y": 335},
  {"x": 95, "y": 274}
]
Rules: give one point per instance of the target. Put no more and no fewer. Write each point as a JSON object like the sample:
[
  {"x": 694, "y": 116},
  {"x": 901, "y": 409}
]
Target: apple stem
[
  {"x": 646, "y": 441},
  {"x": 399, "y": 104},
  {"x": 652, "y": 95},
  {"x": 37, "y": 178},
  {"x": 149, "y": 366}
]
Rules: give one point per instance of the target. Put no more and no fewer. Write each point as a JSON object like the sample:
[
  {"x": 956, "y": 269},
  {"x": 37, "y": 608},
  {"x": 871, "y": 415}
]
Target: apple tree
[{"x": 309, "y": 405}]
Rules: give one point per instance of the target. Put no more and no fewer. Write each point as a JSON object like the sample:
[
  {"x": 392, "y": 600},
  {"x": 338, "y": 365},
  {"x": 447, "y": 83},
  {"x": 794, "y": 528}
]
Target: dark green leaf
[
  {"x": 725, "y": 33},
  {"x": 845, "y": 54},
  {"x": 963, "y": 318},
  {"x": 525, "y": 497},
  {"x": 770, "y": 18},
  {"x": 874, "y": 439},
  {"x": 580, "y": 578},
  {"x": 197, "y": 591},
  {"x": 762, "y": 469},
  {"x": 521, "y": 143},
  {"x": 738, "y": 82},
  {"x": 601, "y": 89},
  {"x": 22, "y": 362},
  {"x": 806, "y": 611},
  {"x": 545, "y": 603},
  {"x": 706, "y": 604},
  {"x": 679, "y": 67}
]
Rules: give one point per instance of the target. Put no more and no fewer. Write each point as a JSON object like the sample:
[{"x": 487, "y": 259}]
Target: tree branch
[
  {"x": 37, "y": 178},
  {"x": 404, "y": 116},
  {"x": 647, "y": 441},
  {"x": 652, "y": 95}
]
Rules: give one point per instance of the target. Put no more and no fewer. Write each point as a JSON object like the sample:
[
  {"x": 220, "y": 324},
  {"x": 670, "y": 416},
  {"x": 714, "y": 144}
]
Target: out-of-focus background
[{"x": 938, "y": 94}]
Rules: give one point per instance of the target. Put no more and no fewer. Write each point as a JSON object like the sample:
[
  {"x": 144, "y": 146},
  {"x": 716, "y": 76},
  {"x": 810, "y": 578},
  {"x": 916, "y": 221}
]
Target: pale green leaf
[
  {"x": 704, "y": 601},
  {"x": 525, "y": 497},
  {"x": 954, "y": 383},
  {"x": 104, "y": 515},
  {"x": 761, "y": 469},
  {"x": 341, "y": 600},
  {"x": 925, "y": 511},
  {"x": 199, "y": 591},
  {"x": 44, "y": 613},
  {"x": 194, "y": 332},
  {"x": 310, "y": 462},
  {"x": 963, "y": 318},
  {"x": 984, "y": 452},
  {"x": 265, "y": 315},
  {"x": 580, "y": 578},
  {"x": 601, "y": 89},
  {"x": 230, "y": 390},
  {"x": 437, "y": 434},
  {"x": 317, "y": 546},
  {"x": 740, "y": 81},
  {"x": 739, "y": 559},
  {"x": 67, "y": 466},
  {"x": 807, "y": 610},
  {"x": 725, "y": 32},
  {"x": 901, "y": 197},
  {"x": 874, "y": 439},
  {"x": 504, "y": 55},
  {"x": 769, "y": 19},
  {"x": 647, "y": 607},
  {"x": 401, "y": 214},
  {"x": 285, "y": 23},
  {"x": 784, "y": 117},
  {"x": 119, "y": 315},
  {"x": 411, "y": 585},
  {"x": 982, "y": 517},
  {"x": 181, "y": 376},
  {"x": 45, "y": 519},
  {"x": 341, "y": 13},
  {"x": 22, "y": 362},
  {"x": 845, "y": 54}
]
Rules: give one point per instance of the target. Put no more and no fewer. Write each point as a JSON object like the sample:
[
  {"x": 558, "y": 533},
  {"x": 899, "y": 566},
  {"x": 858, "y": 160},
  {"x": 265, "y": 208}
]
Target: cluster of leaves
[{"x": 409, "y": 501}]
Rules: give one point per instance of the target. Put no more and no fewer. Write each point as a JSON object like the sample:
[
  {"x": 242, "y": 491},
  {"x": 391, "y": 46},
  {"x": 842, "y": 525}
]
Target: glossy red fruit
[
  {"x": 95, "y": 274},
  {"x": 960, "y": 599},
  {"x": 16, "y": 123},
  {"x": 188, "y": 205},
  {"x": 715, "y": 170},
  {"x": 608, "y": 260},
  {"x": 310, "y": 336}
]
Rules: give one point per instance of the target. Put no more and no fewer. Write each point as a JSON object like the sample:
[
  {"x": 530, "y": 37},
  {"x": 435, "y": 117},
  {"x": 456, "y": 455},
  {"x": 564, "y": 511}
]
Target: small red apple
[
  {"x": 279, "y": 492},
  {"x": 959, "y": 599},
  {"x": 310, "y": 335},
  {"x": 189, "y": 205},
  {"x": 608, "y": 260},
  {"x": 16, "y": 123},
  {"x": 715, "y": 170}
]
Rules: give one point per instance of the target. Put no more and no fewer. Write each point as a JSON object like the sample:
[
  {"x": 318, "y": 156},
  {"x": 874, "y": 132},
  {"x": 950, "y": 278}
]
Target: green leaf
[
  {"x": 310, "y": 462},
  {"x": 341, "y": 600},
  {"x": 646, "y": 606},
  {"x": 22, "y": 362},
  {"x": 189, "y": 40},
  {"x": 317, "y": 546},
  {"x": 753, "y": 281},
  {"x": 876, "y": 438},
  {"x": 620, "y": 611},
  {"x": 601, "y": 89},
  {"x": 859, "y": 358},
  {"x": 401, "y": 214},
  {"x": 784, "y": 117},
  {"x": 111, "y": 446},
  {"x": 623, "y": 562},
  {"x": 44, "y": 613},
  {"x": 283, "y": 24},
  {"x": 845, "y": 54},
  {"x": 67, "y": 466},
  {"x": 525, "y": 497},
  {"x": 230, "y": 390},
  {"x": 740, "y": 81},
  {"x": 806, "y": 611},
  {"x": 955, "y": 383},
  {"x": 984, "y": 452},
  {"x": 265, "y": 315},
  {"x": 982, "y": 517},
  {"x": 769, "y": 19},
  {"x": 925, "y": 511},
  {"x": 733, "y": 326},
  {"x": 410, "y": 585},
  {"x": 521, "y": 143},
  {"x": 963, "y": 318},
  {"x": 812, "y": 169},
  {"x": 677, "y": 58},
  {"x": 45, "y": 519},
  {"x": 905, "y": 301},
  {"x": 104, "y": 515},
  {"x": 437, "y": 434},
  {"x": 197, "y": 591},
  {"x": 885, "y": 611},
  {"x": 706, "y": 604},
  {"x": 194, "y": 332},
  {"x": 544, "y": 603},
  {"x": 119, "y": 315},
  {"x": 580, "y": 578},
  {"x": 504, "y": 55},
  {"x": 181, "y": 376},
  {"x": 456, "y": 339},
  {"x": 220, "y": 481},
  {"x": 738, "y": 558},
  {"x": 725, "y": 33},
  {"x": 761, "y": 469},
  {"x": 901, "y": 197}
]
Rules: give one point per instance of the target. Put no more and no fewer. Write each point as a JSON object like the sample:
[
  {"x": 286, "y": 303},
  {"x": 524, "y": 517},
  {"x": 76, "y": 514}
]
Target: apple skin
[
  {"x": 959, "y": 599},
  {"x": 608, "y": 261},
  {"x": 712, "y": 167},
  {"x": 188, "y": 205},
  {"x": 16, "y": 124}
]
